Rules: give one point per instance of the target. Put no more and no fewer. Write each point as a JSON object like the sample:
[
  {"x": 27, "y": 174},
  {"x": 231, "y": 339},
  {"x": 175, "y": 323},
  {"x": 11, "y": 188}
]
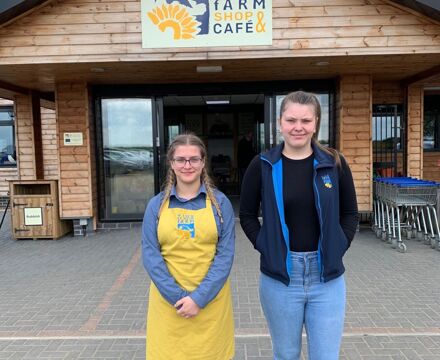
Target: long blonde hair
[
  {"x": 305, "y": 98},
  {"x": 170, "y": 181}
]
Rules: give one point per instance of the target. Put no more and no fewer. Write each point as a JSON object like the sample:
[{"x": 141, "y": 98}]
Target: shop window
[
  {"x": 7, "y": 140},
  {"x": 431, "y": 123},
  {"x": 127, "y": 158},
  {"x": 386, "y": 127},
  {"x": 387, "y": 140}
]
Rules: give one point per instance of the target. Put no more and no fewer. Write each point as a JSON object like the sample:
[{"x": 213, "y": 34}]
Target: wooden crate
[{"x": 35, "y": 210}]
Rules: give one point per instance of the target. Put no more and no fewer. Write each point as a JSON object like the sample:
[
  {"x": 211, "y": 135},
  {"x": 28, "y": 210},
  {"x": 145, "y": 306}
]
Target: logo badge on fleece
[{"x": 327, "y": 181}]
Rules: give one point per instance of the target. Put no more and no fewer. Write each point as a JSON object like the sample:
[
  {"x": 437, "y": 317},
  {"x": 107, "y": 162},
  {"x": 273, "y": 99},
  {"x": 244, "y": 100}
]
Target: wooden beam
[
  {"x": 48, "y": 96},
  {"x": 13, "y": 88},
  {"x": 421, "y": 76},
  {"x": 38, "y": 142},
  {"x": 6, "y": 94},
  {"x": 47, "y": 104}
]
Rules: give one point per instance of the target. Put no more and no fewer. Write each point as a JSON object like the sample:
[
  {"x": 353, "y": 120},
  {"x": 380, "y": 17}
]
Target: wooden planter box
[{"x": 35, "y": 210}]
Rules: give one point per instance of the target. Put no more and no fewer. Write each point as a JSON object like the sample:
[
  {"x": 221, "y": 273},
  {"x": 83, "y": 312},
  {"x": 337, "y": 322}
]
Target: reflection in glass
[
  {"x": 385, "y": 130},
  {"x": 7, "y": 145},
  {"x": 324, "y": 132},
  {"x": 6, "y": 114},
  {"x": 128, "y": 157},
  {"x": 173, "y": 131},
  {"x": 260, "y": 141},
  {"x": 431, "y": 122}
]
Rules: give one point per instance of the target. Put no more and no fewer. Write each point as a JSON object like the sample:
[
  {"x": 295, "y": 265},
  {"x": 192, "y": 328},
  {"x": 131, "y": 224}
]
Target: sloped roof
[
  {"x": 430, "y": 8},
  {"x": 10, "y": 9}
]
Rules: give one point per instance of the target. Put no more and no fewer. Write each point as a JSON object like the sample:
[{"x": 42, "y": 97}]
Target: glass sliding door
[{"x": 128, "y": 157}]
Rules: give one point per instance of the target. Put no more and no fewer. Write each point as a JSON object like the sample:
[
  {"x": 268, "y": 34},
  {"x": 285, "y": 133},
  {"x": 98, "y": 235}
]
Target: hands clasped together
[{"x": 186, "y": 307}]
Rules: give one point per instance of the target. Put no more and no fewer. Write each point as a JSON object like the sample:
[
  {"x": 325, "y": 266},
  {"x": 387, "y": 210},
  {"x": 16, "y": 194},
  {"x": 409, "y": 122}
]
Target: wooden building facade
[{"x": 76, "y": 68}]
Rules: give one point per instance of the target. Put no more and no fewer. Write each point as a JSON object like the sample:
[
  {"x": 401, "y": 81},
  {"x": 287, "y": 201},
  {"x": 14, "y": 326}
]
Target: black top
[
  {"x": 299, "y": 201},
  {"x": 299, "y": 204}
]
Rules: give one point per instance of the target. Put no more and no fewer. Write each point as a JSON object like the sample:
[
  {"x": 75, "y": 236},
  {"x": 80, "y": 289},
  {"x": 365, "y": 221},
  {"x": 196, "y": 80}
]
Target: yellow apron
[{"x": 188, "y": 240}]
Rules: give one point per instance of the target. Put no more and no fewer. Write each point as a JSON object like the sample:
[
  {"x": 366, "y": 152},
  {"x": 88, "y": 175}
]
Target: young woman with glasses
[
  {"x": 309, "y": 212},
  {"x": 188, "y": 247}
]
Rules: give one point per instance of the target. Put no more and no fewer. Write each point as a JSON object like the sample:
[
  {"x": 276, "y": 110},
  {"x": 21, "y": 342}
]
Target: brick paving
[{"x": 86, "y": 298}]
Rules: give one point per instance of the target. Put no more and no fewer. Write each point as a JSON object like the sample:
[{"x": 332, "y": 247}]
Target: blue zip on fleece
[
  {"x": 277, "y": 179},
  {"x": 318, "y": 206}
]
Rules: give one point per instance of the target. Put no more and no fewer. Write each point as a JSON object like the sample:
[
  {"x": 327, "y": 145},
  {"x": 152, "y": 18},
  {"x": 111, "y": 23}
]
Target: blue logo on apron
[{"x": 186, "y": 223}]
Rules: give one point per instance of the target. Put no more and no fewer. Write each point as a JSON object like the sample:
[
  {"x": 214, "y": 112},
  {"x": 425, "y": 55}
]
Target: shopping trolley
[{"x": 405, "y": 206}]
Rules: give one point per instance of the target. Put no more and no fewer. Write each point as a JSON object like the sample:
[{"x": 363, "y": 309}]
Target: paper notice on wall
[{"x": 73, "y": 139}]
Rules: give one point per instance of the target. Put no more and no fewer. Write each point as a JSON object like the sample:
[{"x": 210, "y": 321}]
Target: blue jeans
[{"x": 319, "y": 306}]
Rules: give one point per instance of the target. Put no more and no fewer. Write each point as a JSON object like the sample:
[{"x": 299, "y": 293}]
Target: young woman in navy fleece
[{"x": 309, "y": 211}]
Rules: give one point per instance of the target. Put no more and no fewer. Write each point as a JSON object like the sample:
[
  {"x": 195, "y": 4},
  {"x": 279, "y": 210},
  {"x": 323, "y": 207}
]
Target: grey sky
[
  {"x": 6, "y": 4},
  {"x": 433, "y": 3}
]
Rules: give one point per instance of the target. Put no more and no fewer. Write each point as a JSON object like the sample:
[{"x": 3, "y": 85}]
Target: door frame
[
  {"x": 159, "y": 150},
  {"x": 102, "y": 212},
  {"x": 156, "y": 92}
]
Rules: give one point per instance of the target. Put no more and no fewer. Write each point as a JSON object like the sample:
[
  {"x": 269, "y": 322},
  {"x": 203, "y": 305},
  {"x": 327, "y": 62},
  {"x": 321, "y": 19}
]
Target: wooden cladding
[
  {"x": 354, "y": 99},
  {"x": 37, "y": 155},
  {"x": 25, "y": 144},
  {"x": 431, "y": 165},
  {"x": 50, "y": 144},
  {"x": 75, "y": 165},
  {"x": 7, "y": 174},
  {"x": 415, "y": 131},
  {"x": 387, "y": 93},
  {"x": 25, "y": 137},
  {"x": 110, "y": 30},
  {"x": 38, "y": 145}
]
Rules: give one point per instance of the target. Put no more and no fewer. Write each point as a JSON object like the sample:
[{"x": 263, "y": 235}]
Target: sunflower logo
[{"x": 176, "y": 17}]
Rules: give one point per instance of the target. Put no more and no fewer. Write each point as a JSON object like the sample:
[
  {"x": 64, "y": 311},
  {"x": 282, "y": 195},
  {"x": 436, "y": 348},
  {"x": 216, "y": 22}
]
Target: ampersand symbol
[{"x": 261, "y": 27}]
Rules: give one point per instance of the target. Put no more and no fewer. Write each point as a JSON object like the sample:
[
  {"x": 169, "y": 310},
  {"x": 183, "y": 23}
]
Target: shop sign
[
  {"x": 33, "y": 216},
  {"x": 199, "y": 23},
  {"x": 73, "y": 139}
]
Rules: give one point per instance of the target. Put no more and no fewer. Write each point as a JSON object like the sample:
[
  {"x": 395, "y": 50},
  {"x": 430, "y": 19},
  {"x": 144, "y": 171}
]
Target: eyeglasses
[{"x": 193, "y": 161}]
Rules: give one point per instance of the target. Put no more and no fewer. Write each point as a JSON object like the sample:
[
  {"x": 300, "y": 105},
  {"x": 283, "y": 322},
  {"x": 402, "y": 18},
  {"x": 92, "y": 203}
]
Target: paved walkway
[{"x": 86, "y": 298}]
